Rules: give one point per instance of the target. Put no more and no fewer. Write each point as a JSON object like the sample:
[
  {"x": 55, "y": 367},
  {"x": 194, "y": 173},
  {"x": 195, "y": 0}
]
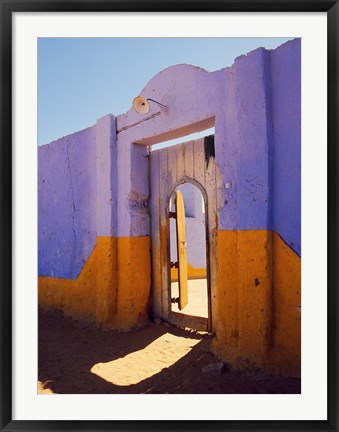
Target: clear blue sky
[{"x": 83, "y": 79}]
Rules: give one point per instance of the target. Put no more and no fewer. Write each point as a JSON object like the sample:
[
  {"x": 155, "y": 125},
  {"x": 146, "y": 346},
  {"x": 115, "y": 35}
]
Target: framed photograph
[{"x": 169, "y": 215}]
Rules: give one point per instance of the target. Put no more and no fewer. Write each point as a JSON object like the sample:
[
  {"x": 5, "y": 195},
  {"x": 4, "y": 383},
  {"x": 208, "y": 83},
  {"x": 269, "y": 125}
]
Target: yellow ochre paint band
[
  {"x": 192, "y": 273},
  {"x": 116, "y": 272},
  {"x": 259, "y": 297}
]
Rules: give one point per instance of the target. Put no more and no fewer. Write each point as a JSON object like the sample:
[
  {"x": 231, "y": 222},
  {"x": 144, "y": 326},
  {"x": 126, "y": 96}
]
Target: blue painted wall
[
  {"x": 285, "y": 64},
  {"x": 67, "y": 204},
  {"x": 258, "y": 144}
]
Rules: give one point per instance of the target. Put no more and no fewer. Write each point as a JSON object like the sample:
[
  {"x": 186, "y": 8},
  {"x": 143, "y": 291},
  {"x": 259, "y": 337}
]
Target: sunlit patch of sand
[
  {"x": 43, "y": 390},
  {"x": 140, "y": 365},
  {"x": 197, "y": 298}
]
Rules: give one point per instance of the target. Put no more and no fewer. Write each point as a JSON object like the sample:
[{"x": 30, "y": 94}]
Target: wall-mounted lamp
[{"x": 141, "y": 105}]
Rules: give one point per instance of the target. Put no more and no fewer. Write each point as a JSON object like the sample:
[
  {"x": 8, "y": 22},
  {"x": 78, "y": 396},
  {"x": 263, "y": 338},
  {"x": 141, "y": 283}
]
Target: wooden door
[
  {"x": 181, "y": 249},
  {"x": 193, "y": 162}
]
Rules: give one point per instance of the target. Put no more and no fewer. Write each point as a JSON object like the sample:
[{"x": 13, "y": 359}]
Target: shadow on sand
[{"x": 68, "y": 350}]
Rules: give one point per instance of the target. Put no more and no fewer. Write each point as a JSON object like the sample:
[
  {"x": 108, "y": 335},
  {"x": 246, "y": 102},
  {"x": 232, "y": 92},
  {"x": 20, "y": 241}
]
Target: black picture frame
[{"x": 7, "y": 7}]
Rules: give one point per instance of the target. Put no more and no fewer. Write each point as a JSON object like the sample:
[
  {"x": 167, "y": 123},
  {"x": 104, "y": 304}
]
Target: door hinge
[
  {"x": 172, "y": 215},
  {"x": 174, "y": 264},
  {"x": 175, "y": 300}
]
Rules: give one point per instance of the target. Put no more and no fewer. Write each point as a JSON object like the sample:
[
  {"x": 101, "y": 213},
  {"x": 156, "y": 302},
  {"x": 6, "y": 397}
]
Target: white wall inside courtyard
[{"x": 195, "y": 226}]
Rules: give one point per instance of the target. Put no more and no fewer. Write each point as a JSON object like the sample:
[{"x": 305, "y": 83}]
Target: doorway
[
  {"x": 190, "y": 163},
  {"x": 188, "y": 258}
]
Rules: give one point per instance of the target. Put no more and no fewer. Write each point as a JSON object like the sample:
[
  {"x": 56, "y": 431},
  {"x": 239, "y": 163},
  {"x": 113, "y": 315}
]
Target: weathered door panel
[
  {"x": 155, "y": 236},
  {"x": 181, "y": 249}
]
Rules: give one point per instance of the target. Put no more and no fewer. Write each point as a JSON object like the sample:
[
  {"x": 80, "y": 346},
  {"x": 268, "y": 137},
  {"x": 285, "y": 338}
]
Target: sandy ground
[
  {"x": 197, "y": 298},
  {"x": 159, "y": 358}
]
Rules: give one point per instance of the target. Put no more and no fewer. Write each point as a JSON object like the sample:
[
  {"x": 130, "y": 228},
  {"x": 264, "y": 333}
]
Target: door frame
[{"x": 176, "y": 316}]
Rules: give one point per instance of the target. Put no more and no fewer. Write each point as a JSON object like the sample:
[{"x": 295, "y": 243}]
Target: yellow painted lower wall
[
  {"x": 112, "y": 289},
  {"x": 258, "y": 292},
  {"x": 192, "y": 273},
  {"x": 286, "y": 353}
]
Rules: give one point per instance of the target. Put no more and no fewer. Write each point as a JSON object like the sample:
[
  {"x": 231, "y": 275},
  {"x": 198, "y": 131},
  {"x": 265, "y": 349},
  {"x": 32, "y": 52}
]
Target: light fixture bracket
[{"x": 141, "y": 105}]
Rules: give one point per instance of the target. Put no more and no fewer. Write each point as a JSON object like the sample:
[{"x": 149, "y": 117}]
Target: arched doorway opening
[{"x": 189, "y": 284}]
